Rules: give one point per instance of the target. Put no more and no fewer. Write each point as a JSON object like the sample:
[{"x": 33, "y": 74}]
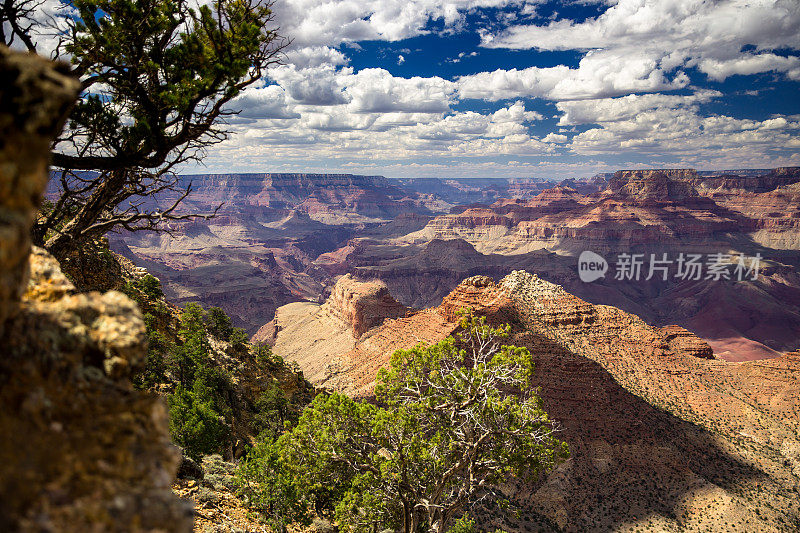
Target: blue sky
[{"x": 504, "y": 88}]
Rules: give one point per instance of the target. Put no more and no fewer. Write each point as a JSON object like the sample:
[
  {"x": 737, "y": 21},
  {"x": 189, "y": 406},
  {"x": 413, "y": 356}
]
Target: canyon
[
  {"x": 283, "y": 238},
  {"x": 663, "y": 435}
]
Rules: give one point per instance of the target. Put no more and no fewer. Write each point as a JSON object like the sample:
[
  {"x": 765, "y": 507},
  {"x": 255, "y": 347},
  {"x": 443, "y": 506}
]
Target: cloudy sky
[{"x": 521, "y": 88}]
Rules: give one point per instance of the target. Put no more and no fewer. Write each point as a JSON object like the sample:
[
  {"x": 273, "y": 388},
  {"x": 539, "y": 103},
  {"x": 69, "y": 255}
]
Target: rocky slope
[
  {"x": 664, "y": 437},
  {"x": 81, "y": 449},
  {"x": 303, "y": 332}
]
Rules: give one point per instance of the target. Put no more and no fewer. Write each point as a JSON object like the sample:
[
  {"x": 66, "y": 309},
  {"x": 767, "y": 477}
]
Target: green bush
[
  {"x": 150, "y": 286},
  {"x": 159, "y": 350},
  {"x": 272, "y": 412},
  {"x": 195, "y": 425},
  {"x": 398, "y": 461},
  {"x": 214, "y": 386},
  {"x": 145, "y": 291},
  {"x": 463, "y": 525},
  {"x": 238, "y": 337},
  {"x": 219, "y": 324},
  {"x": 270, "y": 486}
]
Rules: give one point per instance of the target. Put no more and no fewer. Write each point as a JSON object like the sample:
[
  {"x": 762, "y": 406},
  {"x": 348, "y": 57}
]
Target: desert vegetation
[{"x": 450, "y": 423}]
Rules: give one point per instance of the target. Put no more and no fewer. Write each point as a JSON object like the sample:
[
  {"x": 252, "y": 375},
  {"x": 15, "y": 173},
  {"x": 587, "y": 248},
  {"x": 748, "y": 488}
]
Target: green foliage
[
  {"x": 272, "y": 412},
  {"x": 194, "y": 351},
  {"x": 201, "y": 405},
  {"x": 263, "y": 354},
  {"x": 214, "y": 386},
  {"x": 452, "y": 422},
  {"x": 266, "y": 359},
  {"x": 150, "y": 286},
  {"x": 194, "y": 424},
  {"x": 269, "y": 485},
  {"x": 219, "y": 324},
  {"x": 145, "y": 291},
  {"x": 182, "y": 66},
  {"x": 159, "y": 351},
  {"x": 463, "y": 525},
  {"x": 238, "y": 338}
]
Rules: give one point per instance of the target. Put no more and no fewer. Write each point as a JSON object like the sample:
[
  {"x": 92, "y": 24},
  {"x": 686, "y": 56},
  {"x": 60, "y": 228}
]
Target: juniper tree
[
  {"x": 157, "y": 78},
  {"x": 451, "y": 423}
]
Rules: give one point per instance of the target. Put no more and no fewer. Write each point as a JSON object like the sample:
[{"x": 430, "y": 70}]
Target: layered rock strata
[{"x": 663, "y": 435}]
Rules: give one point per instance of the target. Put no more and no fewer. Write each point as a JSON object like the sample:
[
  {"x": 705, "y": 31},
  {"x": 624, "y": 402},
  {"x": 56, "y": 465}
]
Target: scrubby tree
[
  {"x": 159, "y": 350},
  {"x": 451, "y": 423},
  {"x": 150, "y": 286},
  {"x": 194, "y": 350},
  {"x": 201, "y": 406},
  {"x": 218, "y": 323},
  {"x": 158, "y": 78},
  {"x": 272, "y": 488},
  {"x": 272, "y": 412},
  {"x": 238, "y": 338},
  {"x": 194, "y": 424}
]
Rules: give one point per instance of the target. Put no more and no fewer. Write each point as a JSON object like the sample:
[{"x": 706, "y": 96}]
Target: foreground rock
[
  {"x": 664, "y": 436},
  {"x": 35, "y": 96},
  {"x": 81, "y": 450}
]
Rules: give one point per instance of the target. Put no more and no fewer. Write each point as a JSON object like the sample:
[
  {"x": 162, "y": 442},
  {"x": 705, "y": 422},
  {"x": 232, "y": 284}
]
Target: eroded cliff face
[
  {"x": 34, "y": 99},
  {"x": 663, "y": 435},
  {"x": 362, "y": 305},
  {"x": 81, "y": 449},
  {"x": 639, "y": 212},
  {"x": 306, "y": 332}
]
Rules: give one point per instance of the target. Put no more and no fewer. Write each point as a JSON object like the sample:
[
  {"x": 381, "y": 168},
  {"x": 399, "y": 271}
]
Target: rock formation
[
  {"x": 663, "y": 436},
  {"x": 295, "y": 234},
  {"x": 353, "y": 308},
  {"x": 81, "y": 450},
  {"x": 34, "y": 100},
  {"x": 362, "y": 305}
]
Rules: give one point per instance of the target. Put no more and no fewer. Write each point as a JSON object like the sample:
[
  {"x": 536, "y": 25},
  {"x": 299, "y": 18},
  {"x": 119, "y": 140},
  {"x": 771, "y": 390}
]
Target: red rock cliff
[{"x": 362, "y": 304}]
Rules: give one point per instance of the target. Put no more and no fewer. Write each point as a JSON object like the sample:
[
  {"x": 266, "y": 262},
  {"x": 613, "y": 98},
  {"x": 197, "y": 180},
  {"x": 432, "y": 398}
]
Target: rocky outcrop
[
  {"x": 663, "y": 436},
  {"x": 636, "y": 182},
  {"x": 309, "y": 333},
  {"x": 653, "y": 209},
  {"x": 521, "y": 299},
  {"x": 481, "y": 293},
  {"x": 35, "y": 96},
  {"x": 362, "y": 305},
  {"x": 81, "y": 449}
]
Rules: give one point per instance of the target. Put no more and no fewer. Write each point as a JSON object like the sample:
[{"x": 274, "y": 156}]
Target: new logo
[{"x": 591, "y": 266}]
